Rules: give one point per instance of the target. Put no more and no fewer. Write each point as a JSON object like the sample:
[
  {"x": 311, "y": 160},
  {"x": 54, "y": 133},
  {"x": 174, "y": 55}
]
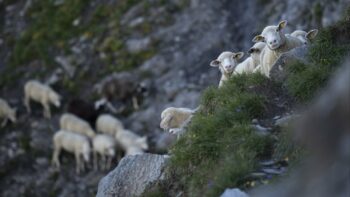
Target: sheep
[
  {"x": 108, "y": 124},
  {"x": 249, "y": 64},
  {"x": 75, "y": 124},
  {"x": 277, "y": 43},
  {"x": 131, "y": 143},
  {"x": 226, "y": 62},
  {"x": 84, "y": 110},
  {"x": 34, "y": 90},
  {"x": 103, "y": 145},
  {"x": 7, "y": 113},
  {"x": 305, "y": 37},
  {"x": 73, "y": 143},
  {"x": 175, "y": 118}
]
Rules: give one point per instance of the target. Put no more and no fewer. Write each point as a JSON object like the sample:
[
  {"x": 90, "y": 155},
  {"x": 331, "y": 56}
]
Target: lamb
[
  {"x": 108, "y": 124},
  {"x": 249, "y": 64},
  {"x": 7, "y": 113},
  {"x": 73, "y": 143},
  {"x": 175, "y": 118},
  {"x": 131, "y": 143},
  {"x": 226, "y": 62},
  {"x": 34, "y": 90},
  {"x": 103, "y": 145},
  {"x": 305, "y": 37},
  {"x": 277, "y": 44},
  {"x": 75, "y": 124}
]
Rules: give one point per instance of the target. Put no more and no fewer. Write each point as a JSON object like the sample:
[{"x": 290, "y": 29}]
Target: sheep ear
[
  {"x": 311, "y": 34},
  {"x": 215, "y": 63},
  {"x": 238, "y": 55},
  {"x": 259, "y": 38},
  {"x": 282, "y": 25}
]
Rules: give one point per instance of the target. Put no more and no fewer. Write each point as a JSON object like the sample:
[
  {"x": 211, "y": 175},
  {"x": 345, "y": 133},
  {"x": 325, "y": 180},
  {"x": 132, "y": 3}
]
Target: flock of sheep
[
  {"x": 78, "y": 137},
  {"x": 268, "y": 47}
]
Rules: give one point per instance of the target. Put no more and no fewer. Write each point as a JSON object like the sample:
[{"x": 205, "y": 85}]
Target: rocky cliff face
[{"x": 170, "y": 44}]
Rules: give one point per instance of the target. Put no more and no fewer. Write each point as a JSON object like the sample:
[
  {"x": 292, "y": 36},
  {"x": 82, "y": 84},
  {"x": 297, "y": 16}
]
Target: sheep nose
[{"x": 274, "y": 41}]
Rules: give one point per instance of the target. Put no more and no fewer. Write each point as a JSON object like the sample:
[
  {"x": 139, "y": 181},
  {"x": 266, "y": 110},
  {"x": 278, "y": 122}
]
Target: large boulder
[{"x": 132, "y": 176}]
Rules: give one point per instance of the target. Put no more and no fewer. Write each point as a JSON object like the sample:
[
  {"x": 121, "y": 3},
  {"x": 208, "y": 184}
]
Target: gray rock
[
  {"x": 65, "y": 63},
  {"x": 132, "y": 176},
  {"x": 286, "y": 120},
  {"x": 234, "y": 193},
  {"x": 138, "y": 45}
]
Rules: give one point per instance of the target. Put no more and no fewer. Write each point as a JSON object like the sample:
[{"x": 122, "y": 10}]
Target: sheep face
[
  {"x": 55, "y": 99},
  {"x": 110, "y": 151},
  {"x": 142, "y": 142},
  {"x": 256, "y": 50},
  {"x": 305, "y": 37},
  {"x": 227, "y": 61},
  {"x": 272, "y": 36}
]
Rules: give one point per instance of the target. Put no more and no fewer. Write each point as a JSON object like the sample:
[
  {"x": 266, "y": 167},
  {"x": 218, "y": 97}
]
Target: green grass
[
  {"x": 327, "y": 52},
  {"x": 220, "y": 147}
]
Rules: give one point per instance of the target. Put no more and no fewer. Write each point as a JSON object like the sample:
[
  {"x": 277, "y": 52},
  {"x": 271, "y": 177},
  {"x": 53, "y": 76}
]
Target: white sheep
[
  {"x": 73, "y": 143},
  {"x": 175, "y": 118},
  {"x": 249, "y": 64},
  {"x": 75, "y": 124},
  {"x": 277, "y": 43},
  {"x": 7, "y": 113},
  {"x": 108, "y": 124},
  {"x": 34, "y": 90},
  {"x": 305, "y": 37},
  {"x": 226, "y": 62},
  {"x": 103, "y": 145},
  {"x": 131, "y": 143}
]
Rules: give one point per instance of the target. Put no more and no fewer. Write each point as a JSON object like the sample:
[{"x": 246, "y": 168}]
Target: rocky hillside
[{"x": 165, "y": 45}]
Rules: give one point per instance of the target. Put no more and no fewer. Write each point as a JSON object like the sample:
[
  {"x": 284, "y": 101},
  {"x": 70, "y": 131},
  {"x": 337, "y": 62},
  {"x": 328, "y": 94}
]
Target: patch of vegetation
[
  {"x": 332, "y": 44},
  {"x": 50, "y": 28},
  {"x": 220, "y": 146}
]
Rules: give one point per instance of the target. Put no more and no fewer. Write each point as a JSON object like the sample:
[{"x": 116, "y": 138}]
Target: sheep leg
[
  {"x": 109, "y": 163},
  {"x": 78, "y": 163},
  {"x": 95, "y": 161},
  {"x": 47, "y": 113},
  {"x": 103, "y": 162},
  {"x": 4, "y": 122},
  {"x": 27, "y": 104},
  {"x": 55, "y": 159},
  {"x": 135, "y": 103}
]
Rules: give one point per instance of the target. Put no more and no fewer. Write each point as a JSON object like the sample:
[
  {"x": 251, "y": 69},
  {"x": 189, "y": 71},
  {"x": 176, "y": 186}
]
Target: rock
[
  {"x": 286, "y": 121},
  {"x": 138, "y": 45},
  {"x": 132, "y": 176},
  {"x": 234, "y": 193},
  {"x": 66, "y": 65},
  {"x": 278, "y": 72}
]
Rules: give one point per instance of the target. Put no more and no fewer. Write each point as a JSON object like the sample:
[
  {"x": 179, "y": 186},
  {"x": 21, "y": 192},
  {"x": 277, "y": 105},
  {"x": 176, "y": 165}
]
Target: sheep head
[
  {"x": 142, "y": 143},
  {"x": 272, "y": 36},
  {"x": 55, "y": 98},
  {"x": 305, "y": 37},
  {"x": 256, "y": 50},
  {"x": 227, "y": 61}
]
